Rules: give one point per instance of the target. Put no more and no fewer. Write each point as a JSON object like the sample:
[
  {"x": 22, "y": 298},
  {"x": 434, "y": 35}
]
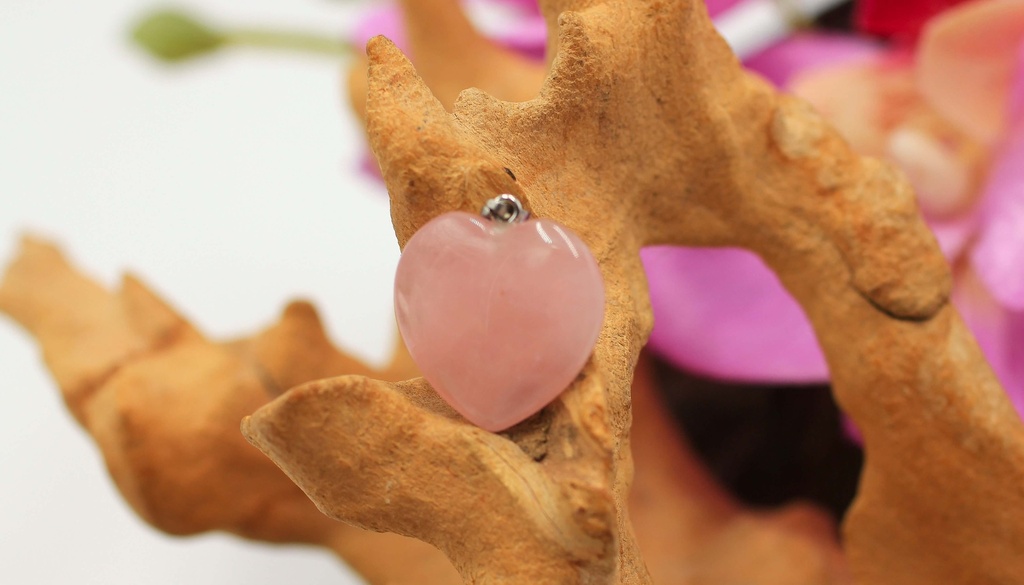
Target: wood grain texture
[{"x": 643, "y": 130}]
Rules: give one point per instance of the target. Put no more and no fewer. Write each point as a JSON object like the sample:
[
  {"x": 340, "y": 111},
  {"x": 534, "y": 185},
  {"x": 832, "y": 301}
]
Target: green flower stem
[
  {"x": 175, "y": 36},
  {"x": 287, "y": 40}
]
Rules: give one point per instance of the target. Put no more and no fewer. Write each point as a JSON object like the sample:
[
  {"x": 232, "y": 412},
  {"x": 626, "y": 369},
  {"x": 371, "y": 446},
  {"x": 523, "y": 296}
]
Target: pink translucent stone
[{"x": 499, "y": 318}]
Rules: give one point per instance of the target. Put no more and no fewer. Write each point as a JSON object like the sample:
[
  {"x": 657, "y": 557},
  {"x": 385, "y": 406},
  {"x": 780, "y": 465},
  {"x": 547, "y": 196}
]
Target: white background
[{"x": 230, "y": 186}]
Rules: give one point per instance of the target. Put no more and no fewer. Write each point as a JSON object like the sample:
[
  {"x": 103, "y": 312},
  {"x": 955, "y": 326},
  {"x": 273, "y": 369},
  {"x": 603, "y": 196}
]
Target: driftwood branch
[
  {"x": 163, "y": 404},
  {"x": 644, "y": 130}
]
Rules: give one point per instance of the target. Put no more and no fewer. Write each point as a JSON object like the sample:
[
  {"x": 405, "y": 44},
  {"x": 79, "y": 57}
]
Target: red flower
[{"x": 901, "y": 19}]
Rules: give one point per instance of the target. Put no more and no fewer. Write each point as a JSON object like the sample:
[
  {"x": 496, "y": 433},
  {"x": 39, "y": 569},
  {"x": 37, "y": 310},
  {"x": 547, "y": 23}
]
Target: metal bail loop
[{"x": 505, "y": 208}]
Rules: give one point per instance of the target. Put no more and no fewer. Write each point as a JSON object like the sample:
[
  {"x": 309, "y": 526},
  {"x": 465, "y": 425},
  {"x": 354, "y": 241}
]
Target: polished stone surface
[{"x": 499, "y": 318}]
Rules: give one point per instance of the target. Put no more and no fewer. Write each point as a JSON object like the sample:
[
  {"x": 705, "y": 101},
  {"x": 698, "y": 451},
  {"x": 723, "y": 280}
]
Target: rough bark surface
[
  {"x": 645, "y": 131},
  {"x": 163, "y": 404}
]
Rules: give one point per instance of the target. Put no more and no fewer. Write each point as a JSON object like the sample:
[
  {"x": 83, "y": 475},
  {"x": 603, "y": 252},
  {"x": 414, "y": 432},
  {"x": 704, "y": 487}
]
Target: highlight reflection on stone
[{"x": 499, "y": 318}]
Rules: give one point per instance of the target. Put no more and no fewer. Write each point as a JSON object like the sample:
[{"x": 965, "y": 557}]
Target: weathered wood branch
[{"x": 647, "y": 131}]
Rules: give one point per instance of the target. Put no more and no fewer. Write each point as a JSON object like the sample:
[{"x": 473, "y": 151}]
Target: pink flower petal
[
  {"x": 954, "y": 233},
  {"x": 716, "y": 7},
  {"x": 528, "y": 37},
  {"x": 385, "y": 20},
  {"x": 1015, "y": 99},
  {"x": 368, "y": 166},
  {"x": 527, "y": 6},
  {"x": 998, "y": 255},
  {"x": 999, "y": 332},
  {"x": 1013, "y": 380},
  {"x": 807, "y": 51},
  {"x": 966, "y": 60},
  {"x": 723, "y": 313}
]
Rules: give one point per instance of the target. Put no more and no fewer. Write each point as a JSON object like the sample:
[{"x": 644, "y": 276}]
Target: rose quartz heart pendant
[{"x": 499, "y": 317}]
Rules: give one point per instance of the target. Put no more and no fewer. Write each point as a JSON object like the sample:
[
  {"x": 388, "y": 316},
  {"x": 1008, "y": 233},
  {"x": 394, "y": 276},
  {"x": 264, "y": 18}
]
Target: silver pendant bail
[{"x": 505, "y": 208}]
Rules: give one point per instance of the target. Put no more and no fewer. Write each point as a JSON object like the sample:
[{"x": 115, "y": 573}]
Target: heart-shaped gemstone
[{"x": 500, "y": 318}]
